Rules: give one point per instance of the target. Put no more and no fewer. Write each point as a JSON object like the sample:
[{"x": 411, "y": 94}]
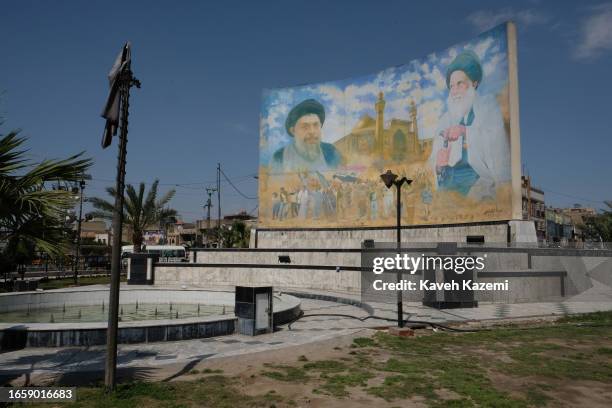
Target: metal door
[{"x": 262, "y": 304}]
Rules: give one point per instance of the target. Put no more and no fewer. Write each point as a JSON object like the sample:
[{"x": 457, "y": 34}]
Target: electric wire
[{"x": 236, "y": 188}]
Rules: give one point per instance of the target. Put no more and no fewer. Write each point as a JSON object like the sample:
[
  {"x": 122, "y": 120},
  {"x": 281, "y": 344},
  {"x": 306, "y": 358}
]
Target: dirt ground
[
  {"x": 247, "y": 371},
  {"x": 530, "y": 364}
]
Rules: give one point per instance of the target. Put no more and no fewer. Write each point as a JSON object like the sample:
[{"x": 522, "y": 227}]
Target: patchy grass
[
  {"x": 536, "y": 366},
  {"x": 326, "y": 366},
  {"x": 206, "y": 371},
  {"x": 363, "y": 342},
  {"x": 286, "y": 373},
  {"x": 461, "y": 362},
  {"x": 214, "y": 391},
  {"x": 337, "y": 384}
]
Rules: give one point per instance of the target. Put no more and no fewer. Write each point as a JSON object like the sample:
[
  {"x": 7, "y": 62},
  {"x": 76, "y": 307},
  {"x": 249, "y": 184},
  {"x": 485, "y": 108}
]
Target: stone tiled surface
[
  {"x": 63, "y": 360},
  {"x": 323, "y": 320}
]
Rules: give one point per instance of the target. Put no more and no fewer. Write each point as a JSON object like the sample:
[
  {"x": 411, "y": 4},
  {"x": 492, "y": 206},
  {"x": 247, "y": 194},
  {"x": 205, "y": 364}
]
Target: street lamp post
[
  {"x": 116, "y": 113},
  {"x": 391, "y": 179},
  {"x": 78, "y": 243}
]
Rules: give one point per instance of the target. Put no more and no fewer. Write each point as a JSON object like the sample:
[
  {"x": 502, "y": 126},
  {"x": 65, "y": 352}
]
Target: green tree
[
  {"x": 139, "y": 212},
  {"x": 599, "y": 227},
  {"x": 33, "y": 217},
  {"x": 235, "y": 236},
  {"x": 242, "y": 233}
]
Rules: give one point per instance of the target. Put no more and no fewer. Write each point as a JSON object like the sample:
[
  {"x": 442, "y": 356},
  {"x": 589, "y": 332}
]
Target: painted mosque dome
[{"x": 365, "y": 122}]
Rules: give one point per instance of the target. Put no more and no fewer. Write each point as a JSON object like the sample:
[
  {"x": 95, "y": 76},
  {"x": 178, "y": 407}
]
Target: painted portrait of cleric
[
  {"x": 306, "y": 152},
  {"x": 471, "y": 150}
]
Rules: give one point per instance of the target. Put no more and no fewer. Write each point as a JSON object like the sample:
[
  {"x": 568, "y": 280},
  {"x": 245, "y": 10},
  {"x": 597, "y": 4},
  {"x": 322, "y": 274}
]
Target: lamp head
[
  {"x": 404, "y": 180},
  {"x": 388, "y": 178}
]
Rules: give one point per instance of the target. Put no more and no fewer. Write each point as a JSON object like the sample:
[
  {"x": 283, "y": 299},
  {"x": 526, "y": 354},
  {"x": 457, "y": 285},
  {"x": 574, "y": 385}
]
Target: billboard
[{"x": 448, "y": 122}]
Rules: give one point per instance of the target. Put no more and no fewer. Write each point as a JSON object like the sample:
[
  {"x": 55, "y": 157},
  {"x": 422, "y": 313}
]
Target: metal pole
[
  {"x": 208, "y": 206},
  {"x": 219, "y": 194},
  {"x": 208, "y": 213},
  {"x": 400, "y": 309},
  {"x": 219, "y": 204},
  {"x": 113, "y": 311},
  {"x": 78, "y": 243}
]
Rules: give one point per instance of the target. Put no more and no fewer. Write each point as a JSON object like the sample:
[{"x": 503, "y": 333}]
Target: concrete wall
[
  {"x": 523, "y": 289},
  {"x": 21, "y": 301},
  {"x": 502, "y": 261},
  {"x": 533, "y": 275},
  {"x": 20, "y": 335},
  {"x": 352, "y": 238},
  {"x": 206, "y": 277}
]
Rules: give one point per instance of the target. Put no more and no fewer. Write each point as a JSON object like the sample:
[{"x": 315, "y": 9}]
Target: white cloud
[
  {"x": 482, "y": 47},
  {"x": 334, "y": 127},
  {"x": 276, "y": 113},
  {"x": 386, "y": 80},
  {"x": 452, "y": 53},
  {"x": 397, "y": 109},
  {"x": 595, "y": 33},
  {"x": 353, "y": 100},
  {"x": 403, "y": 86},
  {"x": 490, "y": 66},
  {"x": 485, "y": 19},
  {"x": 416, "y": 94},
  {"x": 437, "y": 78},
  {"x": 425, "y": 68},
  {"x": 332, "y": 93},
  {"x": 410, "y": 76},
  {"x": 355, "y": 91},
  {"x": 429, "y": 92},
  {"x": 407, "y": 81},
  {"x": 428, "y": 115}
]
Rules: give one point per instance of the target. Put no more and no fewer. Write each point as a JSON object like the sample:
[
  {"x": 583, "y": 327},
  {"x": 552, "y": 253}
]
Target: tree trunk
[{"x": 137, "y": 240}]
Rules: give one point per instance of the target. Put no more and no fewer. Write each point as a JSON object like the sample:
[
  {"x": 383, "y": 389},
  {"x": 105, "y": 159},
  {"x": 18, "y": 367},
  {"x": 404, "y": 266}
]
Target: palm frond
[{"x": 141, "y": 209}]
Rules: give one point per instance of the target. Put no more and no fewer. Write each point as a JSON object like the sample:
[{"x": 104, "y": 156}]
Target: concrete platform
[{"x": 323, "y": 320}]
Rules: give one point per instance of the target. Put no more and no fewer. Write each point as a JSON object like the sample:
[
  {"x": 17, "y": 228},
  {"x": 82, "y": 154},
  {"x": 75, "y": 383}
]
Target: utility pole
[
  {"x": 219, "y": 194},
  {"x": 78, "y": 243},
  {"x": 528, "y": 197},
  {"x": 219, "y": 204},
  {"x": 208, "y": 205}
]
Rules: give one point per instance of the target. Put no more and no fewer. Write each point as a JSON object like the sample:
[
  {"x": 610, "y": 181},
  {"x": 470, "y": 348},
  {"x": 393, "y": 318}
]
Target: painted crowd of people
[{"x": 361, "y": 200}]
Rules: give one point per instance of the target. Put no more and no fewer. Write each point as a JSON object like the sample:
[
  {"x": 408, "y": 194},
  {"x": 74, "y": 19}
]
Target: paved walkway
[{"x": 314, "y": 327}]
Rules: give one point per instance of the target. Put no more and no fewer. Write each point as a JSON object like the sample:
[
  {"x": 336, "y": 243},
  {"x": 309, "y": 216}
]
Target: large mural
[{"x": 442, "y": 121}]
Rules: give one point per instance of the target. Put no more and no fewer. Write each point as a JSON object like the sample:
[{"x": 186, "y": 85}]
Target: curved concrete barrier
[{"x": 20, "y": 335}]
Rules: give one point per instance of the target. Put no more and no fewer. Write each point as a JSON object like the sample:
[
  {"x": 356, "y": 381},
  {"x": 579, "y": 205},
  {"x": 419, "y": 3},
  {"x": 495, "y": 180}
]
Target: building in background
[
  {"x": 578, "y": 216},
  {"x": 559, "y": 227},
  {"x": 566, "y": 225},
  {"x": 96, "y": 231},
  {"x": 182, "y": 233},
  {"x": 154, "y": 237},
  {"x": 534, "y": 208}
]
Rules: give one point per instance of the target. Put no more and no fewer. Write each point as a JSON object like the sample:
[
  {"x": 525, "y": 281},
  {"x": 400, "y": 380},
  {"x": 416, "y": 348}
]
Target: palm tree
[
  {"x": 33, "y": 217},
  {"x": 139, "y": 212}
]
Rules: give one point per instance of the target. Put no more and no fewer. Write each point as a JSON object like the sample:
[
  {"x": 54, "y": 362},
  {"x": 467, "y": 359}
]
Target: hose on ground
[
  {"x": 362, "y": 319},
  {"x": 431, "y": 324}
]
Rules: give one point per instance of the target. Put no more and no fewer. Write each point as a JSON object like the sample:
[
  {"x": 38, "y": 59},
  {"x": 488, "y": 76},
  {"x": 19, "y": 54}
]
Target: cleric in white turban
[{"x": 471, "y": 151}]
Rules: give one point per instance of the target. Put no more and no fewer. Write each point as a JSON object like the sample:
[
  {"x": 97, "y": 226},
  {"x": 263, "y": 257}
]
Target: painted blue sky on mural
[{"x": 421, "y": 80}]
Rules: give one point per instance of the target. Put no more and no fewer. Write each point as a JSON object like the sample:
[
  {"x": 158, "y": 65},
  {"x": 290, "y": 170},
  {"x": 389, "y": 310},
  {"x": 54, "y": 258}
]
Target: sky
[{"x": 204, "y": 66}]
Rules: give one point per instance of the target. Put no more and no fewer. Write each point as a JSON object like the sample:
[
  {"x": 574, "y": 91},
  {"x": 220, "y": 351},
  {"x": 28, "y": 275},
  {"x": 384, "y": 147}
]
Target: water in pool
[{"x": 99, "y": 313}]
